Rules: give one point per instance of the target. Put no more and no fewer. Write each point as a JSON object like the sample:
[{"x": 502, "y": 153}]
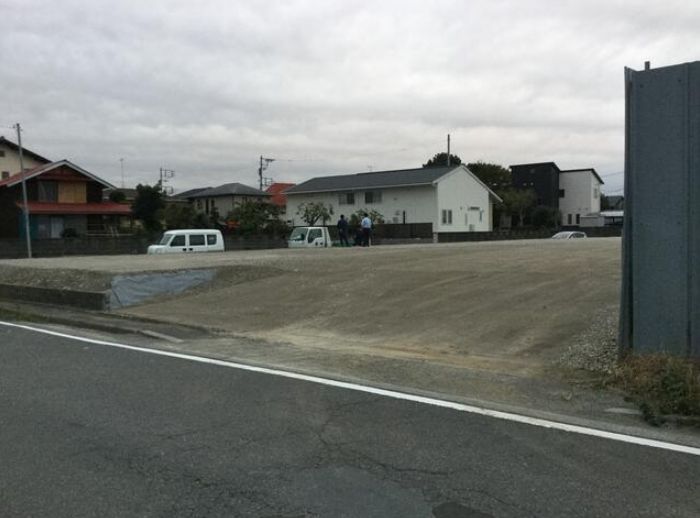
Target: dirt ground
[{"x": 507, "y": 306}]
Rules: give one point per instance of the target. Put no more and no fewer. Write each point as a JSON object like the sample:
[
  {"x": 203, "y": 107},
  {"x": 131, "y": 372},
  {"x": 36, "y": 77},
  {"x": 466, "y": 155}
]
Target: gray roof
[
  {"x": 374, "y": 180},
  {"x": 228, "y": 189},
  {"x": 190, "y": 193}
]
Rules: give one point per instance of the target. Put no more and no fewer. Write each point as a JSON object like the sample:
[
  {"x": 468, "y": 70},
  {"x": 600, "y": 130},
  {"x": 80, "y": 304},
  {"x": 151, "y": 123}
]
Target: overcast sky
[{"x": 325, "y": 87}]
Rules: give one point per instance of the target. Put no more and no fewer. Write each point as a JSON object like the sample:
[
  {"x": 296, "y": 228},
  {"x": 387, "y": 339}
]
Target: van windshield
[
  {"x": 298, "y": 234},
  {"x": 165, "y": 239}
]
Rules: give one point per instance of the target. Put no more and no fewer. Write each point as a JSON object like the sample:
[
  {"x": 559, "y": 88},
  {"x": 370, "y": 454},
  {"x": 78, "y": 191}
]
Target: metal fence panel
[{"x": 661, "y": 263}]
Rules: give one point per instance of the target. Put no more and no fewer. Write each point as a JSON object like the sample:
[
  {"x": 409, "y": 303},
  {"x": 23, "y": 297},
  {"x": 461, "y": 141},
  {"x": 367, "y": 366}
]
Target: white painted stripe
[{"x": 517, "y": 418}]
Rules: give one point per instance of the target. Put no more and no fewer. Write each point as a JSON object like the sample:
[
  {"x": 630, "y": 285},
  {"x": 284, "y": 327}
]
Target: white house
[
  {"x": 222, "y": 199},
  {"x": 579, "y": 195},
  {"x": 453, "y": 199}
]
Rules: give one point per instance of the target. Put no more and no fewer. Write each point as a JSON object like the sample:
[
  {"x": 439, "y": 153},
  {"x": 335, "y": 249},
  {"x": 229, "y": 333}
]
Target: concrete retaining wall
[{"x": 17, "y": 248}]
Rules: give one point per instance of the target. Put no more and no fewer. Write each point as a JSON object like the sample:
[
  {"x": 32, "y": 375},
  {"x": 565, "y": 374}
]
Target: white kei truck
[{"x": 310, "y": 237}]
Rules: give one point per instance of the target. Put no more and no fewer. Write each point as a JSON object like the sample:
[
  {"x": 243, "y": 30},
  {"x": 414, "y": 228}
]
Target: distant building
[
  {"x": 542, "y": 178},
  {"x": 224, "y": 198},
  {"x": 579, "y": 195},
  {"x": 575, "y": 193},
  {"x": 605, "y": 218},
  {"x": 9, "y": 159},
  {"x": 128, "y": 194},
  {"x": 453, "y": 199}
]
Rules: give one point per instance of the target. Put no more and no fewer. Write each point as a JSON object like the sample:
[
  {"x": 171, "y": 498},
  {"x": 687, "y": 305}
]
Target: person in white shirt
[{"x": 366, "y": 225}]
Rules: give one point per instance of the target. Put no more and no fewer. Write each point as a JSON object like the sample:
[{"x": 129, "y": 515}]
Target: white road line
[{"x": 517, "y": 418}]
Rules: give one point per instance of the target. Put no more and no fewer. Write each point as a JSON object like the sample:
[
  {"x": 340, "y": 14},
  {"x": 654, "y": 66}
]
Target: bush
[{"x": 661, "y": 385}]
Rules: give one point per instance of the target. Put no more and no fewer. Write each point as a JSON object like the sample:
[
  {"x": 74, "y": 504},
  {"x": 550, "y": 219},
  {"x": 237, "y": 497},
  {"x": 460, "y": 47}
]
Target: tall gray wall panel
[{"x": 661, "y": 243}]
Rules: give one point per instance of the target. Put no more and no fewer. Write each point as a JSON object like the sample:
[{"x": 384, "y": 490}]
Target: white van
[
  {"x": 189, "y": 241},
  {"x": 309, "y": 237}
]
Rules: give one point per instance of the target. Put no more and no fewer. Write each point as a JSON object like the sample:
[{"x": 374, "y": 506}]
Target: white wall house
[
  {"x": 453, "y": 199},
  {"x": 224, "y": 198},
  {"x": 579, "y": 195}
]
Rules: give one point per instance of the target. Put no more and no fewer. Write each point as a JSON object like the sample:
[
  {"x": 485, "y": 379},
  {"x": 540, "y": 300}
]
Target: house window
[
  {"x": 578, "y": 219},
  {"x": 48, "y": 191},
  {"x": 596, "y": 193},
  {"x": 568, "y": 219},
  {"x": 346, "y": 198},
  {"x": 198, "y": 204},
  {"x": 373, "y": 197},
  {"x": 561, "y": 193},
  {"x": 446, "y": 217},
  {"x": 2, "y": 153},
  {"x": 5, "y": 175}
]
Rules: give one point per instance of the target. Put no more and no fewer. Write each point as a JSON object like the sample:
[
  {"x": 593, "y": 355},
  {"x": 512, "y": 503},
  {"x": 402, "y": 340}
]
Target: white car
[
  {"x": 569, "y": 235},
  {"x": 189, "y": 241}
]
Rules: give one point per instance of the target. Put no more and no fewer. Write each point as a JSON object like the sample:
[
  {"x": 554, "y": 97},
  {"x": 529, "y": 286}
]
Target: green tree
[
  {"x": 495, "y": 176},
  {"x": 545, "y": 217},
  {"x": 117, "y": 196},
  {"x": 519, "y": 202},
  {"x": 179, "y": 216},
  {"x": 254, "y": 217},
  {"x": 148, "y": 206},
  {"x": 201, "y": 220},
  {"x": 440, "y": 160},
  {"x": 355, "y": 218},
  {"x": 312, "y": 212}
]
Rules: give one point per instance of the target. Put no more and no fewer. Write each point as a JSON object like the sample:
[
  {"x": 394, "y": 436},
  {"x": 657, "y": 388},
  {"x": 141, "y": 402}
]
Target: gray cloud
[{"x": 337, "y": 86}]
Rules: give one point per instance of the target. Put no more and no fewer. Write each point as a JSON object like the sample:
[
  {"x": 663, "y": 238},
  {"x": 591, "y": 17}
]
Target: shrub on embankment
[{"x": 662, "y": 386}]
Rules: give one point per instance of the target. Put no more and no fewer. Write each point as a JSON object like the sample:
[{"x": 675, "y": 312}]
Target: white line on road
[{"x": 517, "y": 418}]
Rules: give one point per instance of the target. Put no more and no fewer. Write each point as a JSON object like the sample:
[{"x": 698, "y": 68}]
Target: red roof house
[{"x": 61, "y": 196}]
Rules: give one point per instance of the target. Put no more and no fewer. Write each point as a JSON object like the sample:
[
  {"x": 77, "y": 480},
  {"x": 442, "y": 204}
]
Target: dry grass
[{"x": 661, "y": 385}]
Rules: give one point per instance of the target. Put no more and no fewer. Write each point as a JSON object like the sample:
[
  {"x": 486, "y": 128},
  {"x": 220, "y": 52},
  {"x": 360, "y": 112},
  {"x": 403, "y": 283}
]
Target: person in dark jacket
[{"x": 343, "y": 231}]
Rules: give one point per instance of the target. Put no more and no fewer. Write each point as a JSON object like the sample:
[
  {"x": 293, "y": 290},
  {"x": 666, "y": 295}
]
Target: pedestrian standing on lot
[
  {"x": 343, "y": 231},
  {"x": 366, "y": 225}
]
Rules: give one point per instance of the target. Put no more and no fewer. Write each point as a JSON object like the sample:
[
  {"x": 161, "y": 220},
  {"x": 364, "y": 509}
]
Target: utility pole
[
  {"x": 25, "y": 204},
  {"x": 448, "y": 150},
  {"x": 121, "y": 162},
  {"x": 264, "y": 164},
  {"x": 165, "y": 175}
]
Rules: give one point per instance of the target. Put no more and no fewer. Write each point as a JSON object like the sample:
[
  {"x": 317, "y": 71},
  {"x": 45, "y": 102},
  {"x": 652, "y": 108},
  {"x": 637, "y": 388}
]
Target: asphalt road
[{"x": 91, "y": 430}]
